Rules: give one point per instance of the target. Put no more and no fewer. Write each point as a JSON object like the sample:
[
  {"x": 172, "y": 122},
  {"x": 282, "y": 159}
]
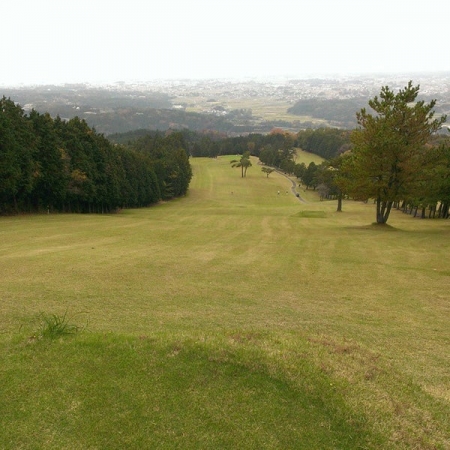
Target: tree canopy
[
  {"x": 389, "y": 158},
  {"x": 244, "y": 163}
]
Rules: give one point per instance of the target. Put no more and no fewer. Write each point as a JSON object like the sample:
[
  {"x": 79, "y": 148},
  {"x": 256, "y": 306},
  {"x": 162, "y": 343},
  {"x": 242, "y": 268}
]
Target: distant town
[{"x": 230, "y": 106}]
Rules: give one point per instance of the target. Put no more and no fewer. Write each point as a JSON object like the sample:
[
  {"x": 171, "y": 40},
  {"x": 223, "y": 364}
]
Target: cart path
[
  {"x": 293, "y": 187},
  {"x": 294, "y": 184}
]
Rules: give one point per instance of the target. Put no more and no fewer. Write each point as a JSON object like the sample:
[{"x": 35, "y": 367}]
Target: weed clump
[{"x": 54, "y": 326}]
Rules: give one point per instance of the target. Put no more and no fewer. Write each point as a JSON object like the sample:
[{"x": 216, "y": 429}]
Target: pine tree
[{"x": 389, "y": 154}]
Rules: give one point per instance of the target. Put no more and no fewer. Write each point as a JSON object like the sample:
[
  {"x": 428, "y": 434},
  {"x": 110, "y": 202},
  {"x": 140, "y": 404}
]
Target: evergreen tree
[
  {"x": 17, "y": 157},
  {"x": 388, "y": 154},
  {"x": 50, "y": 175}
]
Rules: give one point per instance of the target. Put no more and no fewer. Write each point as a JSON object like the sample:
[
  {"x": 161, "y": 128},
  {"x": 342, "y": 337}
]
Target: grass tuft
[{"x": 54, "y": 326}]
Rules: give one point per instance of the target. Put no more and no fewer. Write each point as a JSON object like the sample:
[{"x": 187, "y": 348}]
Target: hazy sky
[{"x": 65, "y": 41}]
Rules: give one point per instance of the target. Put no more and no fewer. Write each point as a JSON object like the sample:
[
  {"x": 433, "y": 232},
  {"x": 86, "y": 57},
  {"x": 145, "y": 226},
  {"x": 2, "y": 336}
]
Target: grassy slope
[
  {"x": 232, "y": 318},
  {"x": 306, "y": 157}
]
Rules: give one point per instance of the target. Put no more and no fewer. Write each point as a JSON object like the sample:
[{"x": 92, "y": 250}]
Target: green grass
[
  {"x": 231, "y": 318},
  {"x": 117, "y": 392},
  {"x": 55, "y": 326},
  {"x": 302, "y": 156}
]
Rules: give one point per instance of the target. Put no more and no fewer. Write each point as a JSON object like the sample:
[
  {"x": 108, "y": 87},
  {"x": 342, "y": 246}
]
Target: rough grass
[{"x": 232, "y": 318}]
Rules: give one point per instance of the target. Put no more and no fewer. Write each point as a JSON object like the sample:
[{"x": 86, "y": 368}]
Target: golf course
[{"x": 237, "y": 317}]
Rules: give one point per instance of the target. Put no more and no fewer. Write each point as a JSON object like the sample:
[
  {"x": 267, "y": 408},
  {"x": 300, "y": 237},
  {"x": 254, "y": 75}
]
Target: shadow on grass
[
  {"x": 111, "y": 391},
  {"x": 384, "y": 227},
  {"x": 311, "y": 214}
]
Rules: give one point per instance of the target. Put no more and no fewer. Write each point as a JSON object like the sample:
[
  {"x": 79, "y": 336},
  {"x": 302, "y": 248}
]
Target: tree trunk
[
  {"x": 383, "y": 210},
  {"x": 339, "y": 204},
  {"x": 379, "y": 213},
  {"x": 445, "y": 212},
  {"x": 387, "y": 211}
]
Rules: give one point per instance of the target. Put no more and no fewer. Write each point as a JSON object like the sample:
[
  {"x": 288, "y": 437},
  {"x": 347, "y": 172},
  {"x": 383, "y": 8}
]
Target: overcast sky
[{"x": 66, "y": 41}]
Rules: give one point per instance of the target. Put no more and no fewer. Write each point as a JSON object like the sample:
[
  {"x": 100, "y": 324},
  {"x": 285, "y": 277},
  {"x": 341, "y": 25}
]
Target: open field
[
  {"x": 263, "y": 108},
  {"x": 232, "y": 318},
  {"x": 306, "y": 157}
]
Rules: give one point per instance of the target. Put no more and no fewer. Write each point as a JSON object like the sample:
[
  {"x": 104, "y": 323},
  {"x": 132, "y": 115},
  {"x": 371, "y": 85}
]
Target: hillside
[{"x": 234, "y": 317}]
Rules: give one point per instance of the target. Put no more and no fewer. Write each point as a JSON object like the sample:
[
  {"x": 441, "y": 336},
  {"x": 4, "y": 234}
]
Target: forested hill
[
  {"x": 338, "y": 112},
  {"x": 112, "y": 111},
  {"x": 72, "y": 100},
  {"x": 51, "y": 164},
  {"x": 341, "y": 112}
]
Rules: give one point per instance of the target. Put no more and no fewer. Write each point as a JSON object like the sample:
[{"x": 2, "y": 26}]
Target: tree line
[
  {"x": 325, "y": 142},
  {"x": 51, "y": 164},
  {"x": 276, "y": 147}
]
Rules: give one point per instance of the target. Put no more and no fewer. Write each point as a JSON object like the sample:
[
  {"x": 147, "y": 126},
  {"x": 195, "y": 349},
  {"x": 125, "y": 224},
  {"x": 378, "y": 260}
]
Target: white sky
[{"x": 66, "y": 41}]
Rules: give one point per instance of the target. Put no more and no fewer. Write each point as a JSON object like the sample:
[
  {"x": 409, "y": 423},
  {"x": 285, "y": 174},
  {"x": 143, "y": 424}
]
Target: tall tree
[
  {"x": 437, "y": 186},
  {"x": 50, "y": 176},
  {"x": 17, "y": 162},
  {"x": 331, "y": 175},
  {"x": 244, "y": 163},
  {"x": 309, "y": 177},
  {"x": 388, "y": 153},
  {"x": 170, "y": 161}
]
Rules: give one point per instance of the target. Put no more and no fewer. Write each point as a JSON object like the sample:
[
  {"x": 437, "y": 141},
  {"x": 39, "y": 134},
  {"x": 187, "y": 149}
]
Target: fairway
[{"x": 235, "y": 317}]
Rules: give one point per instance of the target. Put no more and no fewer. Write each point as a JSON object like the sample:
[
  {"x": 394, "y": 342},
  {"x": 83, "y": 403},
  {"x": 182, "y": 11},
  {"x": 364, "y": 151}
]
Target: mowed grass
[
  {"x": 235, "y": 317},
  {"x": 302, "y": 156}
]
